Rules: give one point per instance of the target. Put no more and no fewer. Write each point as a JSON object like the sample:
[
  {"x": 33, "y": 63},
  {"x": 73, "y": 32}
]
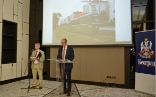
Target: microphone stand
[{"x": 28, "y": 66}]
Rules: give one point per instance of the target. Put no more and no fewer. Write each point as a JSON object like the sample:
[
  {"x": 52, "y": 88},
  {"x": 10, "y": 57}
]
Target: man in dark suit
[{"x": 66, "y": 52}]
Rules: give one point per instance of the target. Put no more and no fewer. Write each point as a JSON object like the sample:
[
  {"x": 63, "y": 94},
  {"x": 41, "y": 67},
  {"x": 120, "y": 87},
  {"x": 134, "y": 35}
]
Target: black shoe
[
  {"x": 33, "y": 87},
  {"x": 40, "y": 87},
  {"x": 68, "y": 93}
]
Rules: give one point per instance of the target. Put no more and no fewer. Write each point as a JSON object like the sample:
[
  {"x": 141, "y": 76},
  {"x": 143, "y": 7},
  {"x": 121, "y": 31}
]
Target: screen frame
[{"x": 96, "y": 45}]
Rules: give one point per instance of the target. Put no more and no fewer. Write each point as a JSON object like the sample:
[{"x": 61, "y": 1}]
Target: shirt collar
[
  {"x": 37, "y": 50},
  {"x": 65, "y": 47}
]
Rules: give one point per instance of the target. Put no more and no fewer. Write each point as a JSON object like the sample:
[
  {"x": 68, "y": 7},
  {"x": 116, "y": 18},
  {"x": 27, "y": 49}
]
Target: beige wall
[
  {"x": 16, "y": 11},
  {"x": 95, "y": 63},
  {"x": 145, "y": 83}
]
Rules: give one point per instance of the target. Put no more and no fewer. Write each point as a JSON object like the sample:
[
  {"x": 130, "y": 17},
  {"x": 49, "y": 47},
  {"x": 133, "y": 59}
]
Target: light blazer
[{"x": 41, "y": 59}]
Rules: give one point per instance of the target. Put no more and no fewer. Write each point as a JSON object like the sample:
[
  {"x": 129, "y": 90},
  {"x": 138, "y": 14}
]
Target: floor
[{"x": 52, "y": 89}]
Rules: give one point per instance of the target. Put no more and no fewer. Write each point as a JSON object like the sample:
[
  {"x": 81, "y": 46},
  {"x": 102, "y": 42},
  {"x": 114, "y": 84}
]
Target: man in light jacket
[{"x": 37, "y": 59}]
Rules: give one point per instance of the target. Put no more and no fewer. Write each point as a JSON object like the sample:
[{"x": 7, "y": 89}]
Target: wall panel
[
  {"x": 8, "y": 10},
  {"x": 14, "y": 70},
  {"x": 25, "y": 28},
  {"x": 142, "y": 79},
  {"x": 95, "y": 64},
  {"x": 25, "y": 53},
  {"x": 15, "y": 7},
  {"x": 13, "y": 10},
  {"x": 6, "y": 72},
  {"x": 1, "y": 10},
  {"x": 15, "y": 18},
  {"x": 77, "y": 75},
  {"x": 19, "y": 58},
  {"x": 0, "y": 48},
  {"x": 83, "y": 61},
  {"x": 0, "y": 73},
  {"x": 19, "y": 25},
  {"x": 21, "y": 1},
  {"x": 53, "y": 54},
  {"x": 26, "y": 5}
]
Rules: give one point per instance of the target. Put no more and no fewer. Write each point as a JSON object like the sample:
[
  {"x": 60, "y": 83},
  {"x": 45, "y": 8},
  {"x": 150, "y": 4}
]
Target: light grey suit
[
  {"x": 38, "y": 67},
  {"x": 41, "y": 59}
]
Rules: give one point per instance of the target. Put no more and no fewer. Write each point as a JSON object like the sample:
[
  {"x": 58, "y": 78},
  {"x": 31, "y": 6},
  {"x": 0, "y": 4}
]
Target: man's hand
[{"x": 37, "y": 59}]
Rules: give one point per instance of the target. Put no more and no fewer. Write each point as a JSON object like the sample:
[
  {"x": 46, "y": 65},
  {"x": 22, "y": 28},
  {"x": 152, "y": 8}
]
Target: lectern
[{"x": 60, "y": 70}]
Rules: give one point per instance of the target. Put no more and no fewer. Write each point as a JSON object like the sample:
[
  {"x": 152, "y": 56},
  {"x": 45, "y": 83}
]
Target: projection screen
[{"x": 87, "y": 22}]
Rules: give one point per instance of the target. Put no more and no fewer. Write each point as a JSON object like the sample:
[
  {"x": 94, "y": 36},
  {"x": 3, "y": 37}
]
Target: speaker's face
[
  {"x": 37, "y": 46},
  {"x": 63, "y": 42}
]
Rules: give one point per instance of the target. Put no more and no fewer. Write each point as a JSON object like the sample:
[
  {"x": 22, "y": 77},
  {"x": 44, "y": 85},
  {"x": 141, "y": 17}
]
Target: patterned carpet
[{"x": 51, "y": 89}]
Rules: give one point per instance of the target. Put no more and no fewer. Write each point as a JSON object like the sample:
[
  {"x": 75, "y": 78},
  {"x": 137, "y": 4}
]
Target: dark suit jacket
[{"x": 69, "y": 55}]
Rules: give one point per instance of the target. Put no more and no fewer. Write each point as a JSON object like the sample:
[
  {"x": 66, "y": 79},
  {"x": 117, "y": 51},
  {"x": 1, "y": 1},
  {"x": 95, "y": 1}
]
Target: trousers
[{"x": 36, "y": 70}]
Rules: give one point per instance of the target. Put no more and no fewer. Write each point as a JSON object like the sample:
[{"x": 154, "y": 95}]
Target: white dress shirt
[
  {"x": 36, "y": 61},
  {"x": 64, "y": 48}
]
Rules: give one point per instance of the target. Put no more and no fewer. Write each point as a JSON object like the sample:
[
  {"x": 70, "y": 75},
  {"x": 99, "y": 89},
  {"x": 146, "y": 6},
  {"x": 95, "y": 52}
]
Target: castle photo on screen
[{"x": 84, "y": 21}]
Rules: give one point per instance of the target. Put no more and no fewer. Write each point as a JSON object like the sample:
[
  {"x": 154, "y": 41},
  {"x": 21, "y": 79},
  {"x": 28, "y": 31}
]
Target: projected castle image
[
  {"x": 93, "y": 9},
  {"x": 96, "y": 21}
]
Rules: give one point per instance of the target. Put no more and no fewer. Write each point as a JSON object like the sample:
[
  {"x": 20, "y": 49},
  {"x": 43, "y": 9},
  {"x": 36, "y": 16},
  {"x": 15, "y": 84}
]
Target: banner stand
[{"x": 145, "y": 62}]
